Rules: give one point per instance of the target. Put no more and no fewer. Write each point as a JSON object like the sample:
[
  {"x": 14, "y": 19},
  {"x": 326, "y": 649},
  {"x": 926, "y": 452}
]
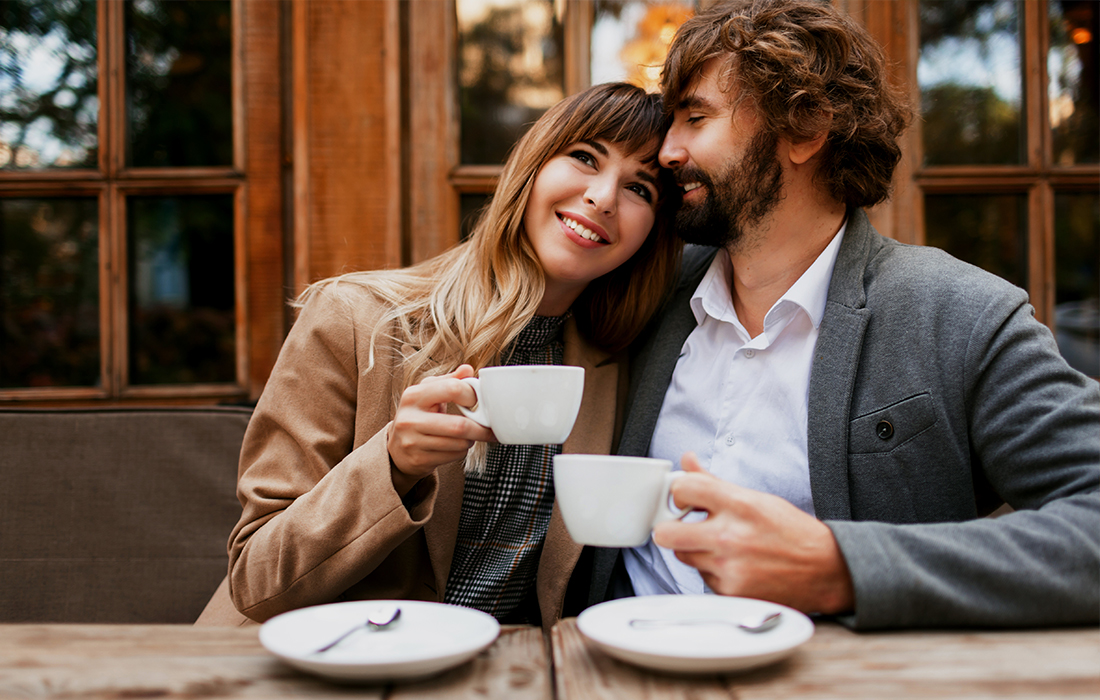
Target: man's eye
[{"x": 694, "y": 119}]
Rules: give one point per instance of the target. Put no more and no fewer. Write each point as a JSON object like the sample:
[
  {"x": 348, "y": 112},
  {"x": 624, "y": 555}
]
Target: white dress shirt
[{"x": 739, "y": 403}]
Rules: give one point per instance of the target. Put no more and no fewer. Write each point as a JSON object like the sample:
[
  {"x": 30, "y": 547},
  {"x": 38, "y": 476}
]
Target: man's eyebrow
[
  {"x": 599, "y": 147},
  {"x": 693, "y": 101}
]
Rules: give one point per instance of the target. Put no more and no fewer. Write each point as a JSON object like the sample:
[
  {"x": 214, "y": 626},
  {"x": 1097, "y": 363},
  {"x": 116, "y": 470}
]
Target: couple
[{"x": 846, "y": 407}]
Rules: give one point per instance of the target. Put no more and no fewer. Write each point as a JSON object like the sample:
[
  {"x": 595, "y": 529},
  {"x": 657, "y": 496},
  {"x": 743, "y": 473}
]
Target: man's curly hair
[{"x": 808, "y": 69}]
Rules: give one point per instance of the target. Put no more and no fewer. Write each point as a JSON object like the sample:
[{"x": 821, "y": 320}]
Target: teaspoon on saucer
[
  {"x": 753, "y": 623},
  {"x": 379, "y": 619}
]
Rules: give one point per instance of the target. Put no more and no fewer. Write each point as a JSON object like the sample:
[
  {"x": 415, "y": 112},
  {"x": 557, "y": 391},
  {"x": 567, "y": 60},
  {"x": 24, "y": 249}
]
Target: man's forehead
[{"x": 705, "y": 90}]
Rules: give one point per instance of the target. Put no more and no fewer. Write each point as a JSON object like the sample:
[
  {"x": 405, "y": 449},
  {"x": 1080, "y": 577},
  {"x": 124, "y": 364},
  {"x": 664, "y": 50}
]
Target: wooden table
[{"x": 177, "y": 661}]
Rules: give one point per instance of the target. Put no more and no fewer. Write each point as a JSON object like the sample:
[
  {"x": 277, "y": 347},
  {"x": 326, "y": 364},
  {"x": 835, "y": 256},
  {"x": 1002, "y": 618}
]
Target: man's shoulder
[{"x": 907, "y": 273}]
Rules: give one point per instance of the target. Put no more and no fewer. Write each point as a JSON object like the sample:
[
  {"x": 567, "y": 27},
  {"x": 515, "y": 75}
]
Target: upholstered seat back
[{"x": 115, "y": 515}]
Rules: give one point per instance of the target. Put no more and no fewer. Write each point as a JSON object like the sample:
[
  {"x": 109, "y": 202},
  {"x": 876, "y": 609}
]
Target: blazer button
[{"x": 884, "y": 430}]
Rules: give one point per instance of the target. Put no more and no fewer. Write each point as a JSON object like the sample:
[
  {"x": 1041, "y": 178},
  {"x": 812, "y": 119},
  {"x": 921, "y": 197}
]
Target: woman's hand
[{"x": 424, "y": 436}]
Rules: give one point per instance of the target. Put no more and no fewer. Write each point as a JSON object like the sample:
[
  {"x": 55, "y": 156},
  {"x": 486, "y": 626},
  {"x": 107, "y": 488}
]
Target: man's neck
[{"x": 783, "y": 247}]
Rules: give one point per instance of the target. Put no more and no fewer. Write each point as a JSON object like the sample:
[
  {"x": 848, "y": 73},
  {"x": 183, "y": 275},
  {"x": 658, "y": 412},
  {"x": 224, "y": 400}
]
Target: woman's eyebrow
[
  {"x": 648, "y": 177},
  {"x": 599, "y": 147}
]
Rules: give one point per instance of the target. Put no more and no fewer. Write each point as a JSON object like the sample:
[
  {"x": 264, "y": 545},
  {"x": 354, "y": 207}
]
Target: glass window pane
[
  {"x": 989, "y": 231},
  {"x": 630, "y": 39},
  {"x": 179, "y": 83},
  {"x": 182, "y": 300},
  {"x": 1074, "y": 88},
  {"x": 970, "y": 80},
  {"x": 1077, "y": 280},
  {"x": 510, "y": 67},
  {"x": 49, "y": 108},
  {"x": 49, "y": 293}
]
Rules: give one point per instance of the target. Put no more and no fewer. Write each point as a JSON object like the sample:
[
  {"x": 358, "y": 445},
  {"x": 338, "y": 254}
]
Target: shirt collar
[
  {"x": 713, "y": 296},
  {"x": 812, "y": 289}
]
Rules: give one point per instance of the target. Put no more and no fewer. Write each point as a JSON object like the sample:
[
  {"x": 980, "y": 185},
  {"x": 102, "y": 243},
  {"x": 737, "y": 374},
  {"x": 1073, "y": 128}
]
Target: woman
[{"x": 356, "y": 480}]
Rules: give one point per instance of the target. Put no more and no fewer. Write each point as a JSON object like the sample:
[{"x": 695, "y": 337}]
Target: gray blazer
[{"x": 982, "y": 410}]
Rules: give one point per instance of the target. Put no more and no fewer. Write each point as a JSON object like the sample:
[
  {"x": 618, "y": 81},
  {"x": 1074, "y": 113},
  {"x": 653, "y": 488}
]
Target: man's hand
[
  {"x": 423, "y": 436},
  {"x": 756, "y": 545}
]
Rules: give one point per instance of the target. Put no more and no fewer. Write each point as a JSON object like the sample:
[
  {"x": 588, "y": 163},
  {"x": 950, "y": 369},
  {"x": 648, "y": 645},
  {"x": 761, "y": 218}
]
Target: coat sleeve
[
  {"x": 319, "y": 508},
  {"x": 1033, "y": 434}
]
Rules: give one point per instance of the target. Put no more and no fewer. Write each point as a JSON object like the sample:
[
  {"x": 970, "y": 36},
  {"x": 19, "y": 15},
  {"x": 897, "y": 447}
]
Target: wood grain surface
[{"x": 843, "y": 665}]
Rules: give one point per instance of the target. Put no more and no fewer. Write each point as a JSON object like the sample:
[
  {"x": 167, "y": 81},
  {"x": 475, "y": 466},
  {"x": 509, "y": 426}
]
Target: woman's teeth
[{"x": 581, "y": 230}]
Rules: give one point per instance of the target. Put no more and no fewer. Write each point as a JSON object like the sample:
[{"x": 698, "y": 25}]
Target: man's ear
[{"x": 799, "y": 153}]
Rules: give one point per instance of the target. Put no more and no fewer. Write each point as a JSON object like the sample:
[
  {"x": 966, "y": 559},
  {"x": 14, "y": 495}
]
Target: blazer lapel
[
  {"x": 832, "y": 378},
  {"x": 650, "y": 373},
  {"x": 592, "y": 434},
  {"x": 652, "y": 365}
]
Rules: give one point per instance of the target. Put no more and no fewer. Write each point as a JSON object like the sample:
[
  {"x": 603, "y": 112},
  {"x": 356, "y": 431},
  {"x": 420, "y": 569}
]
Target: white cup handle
[
  {"x": 479, "y": 415},
  {"x": 663, "y": 511}
]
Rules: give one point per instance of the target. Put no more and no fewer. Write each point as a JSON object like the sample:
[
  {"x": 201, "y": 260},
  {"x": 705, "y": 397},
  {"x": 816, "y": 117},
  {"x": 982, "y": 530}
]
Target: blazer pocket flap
[{"x": 891, "y": 427}]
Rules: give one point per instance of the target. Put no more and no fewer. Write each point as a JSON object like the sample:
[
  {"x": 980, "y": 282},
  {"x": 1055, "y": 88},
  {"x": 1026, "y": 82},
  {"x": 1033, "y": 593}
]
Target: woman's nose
[{"x": 601, "y": 195}]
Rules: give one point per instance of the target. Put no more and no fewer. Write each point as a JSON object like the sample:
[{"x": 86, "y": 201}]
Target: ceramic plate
[
  {"x": 427, "y": 638},
  {"x": 701, "y": 638}
]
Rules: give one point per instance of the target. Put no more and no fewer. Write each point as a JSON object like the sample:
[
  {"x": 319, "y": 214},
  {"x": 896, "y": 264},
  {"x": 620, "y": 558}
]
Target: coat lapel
[
  {"x": 832, "y": 378},
  {"x": 592, "y": 434},
  {"x": 651, "y": 370},
  {"x": 652, "y": 365}
]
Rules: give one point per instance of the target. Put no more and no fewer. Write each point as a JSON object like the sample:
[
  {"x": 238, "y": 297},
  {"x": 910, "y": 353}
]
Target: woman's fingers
[{"x": 423, "y": 435}]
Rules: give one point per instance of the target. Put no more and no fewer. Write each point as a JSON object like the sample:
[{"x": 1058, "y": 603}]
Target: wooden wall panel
[
  {"x": 263, "y": 207},
  {"x": 347, "y": 137},
  {"x": 433, "y": 129},
  {"x": 889, "y": 23}
]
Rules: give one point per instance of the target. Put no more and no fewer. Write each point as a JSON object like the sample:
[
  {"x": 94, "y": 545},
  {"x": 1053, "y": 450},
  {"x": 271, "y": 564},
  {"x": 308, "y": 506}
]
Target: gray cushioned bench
[{"x": 115, "y": 515}]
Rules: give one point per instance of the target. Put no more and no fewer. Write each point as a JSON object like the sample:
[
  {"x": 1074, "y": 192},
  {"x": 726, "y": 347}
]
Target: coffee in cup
[
  {"x": 527, "y": 404},
  {"x": 613, "y": 501}
]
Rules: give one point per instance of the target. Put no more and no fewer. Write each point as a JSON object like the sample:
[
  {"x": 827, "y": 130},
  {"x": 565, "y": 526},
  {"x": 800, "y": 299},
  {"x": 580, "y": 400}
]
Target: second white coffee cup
[
  {"x": 613, "y": 501},
  {"x": 527, "y": 404}
]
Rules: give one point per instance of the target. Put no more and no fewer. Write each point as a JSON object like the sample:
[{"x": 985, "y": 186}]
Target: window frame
[
  {"x": 1038, "y": 178},
  {"x": 254, "y": 179}
]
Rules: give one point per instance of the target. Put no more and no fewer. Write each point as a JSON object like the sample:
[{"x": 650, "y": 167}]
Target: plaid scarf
[{"x": 506, "y": 509}]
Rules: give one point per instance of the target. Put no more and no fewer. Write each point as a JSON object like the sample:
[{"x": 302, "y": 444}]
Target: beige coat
[{"x": 321, "y": 520}]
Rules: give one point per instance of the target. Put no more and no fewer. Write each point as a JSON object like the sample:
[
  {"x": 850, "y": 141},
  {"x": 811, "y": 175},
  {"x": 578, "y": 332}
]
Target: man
[{"x": 855, "y": 405}]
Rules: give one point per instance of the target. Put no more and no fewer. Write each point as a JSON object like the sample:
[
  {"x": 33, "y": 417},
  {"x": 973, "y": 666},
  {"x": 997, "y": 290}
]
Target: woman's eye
[
  {"x": 584, "y": 157},
  {"x": 695, "y": 119},
  {"x": 642, "y": 191}
]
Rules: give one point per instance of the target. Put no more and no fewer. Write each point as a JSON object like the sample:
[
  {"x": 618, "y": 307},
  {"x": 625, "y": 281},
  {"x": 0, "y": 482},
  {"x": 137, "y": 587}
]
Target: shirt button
[
  {"x": 750, "y": 353},
  {"x": 730, "y": 439}
]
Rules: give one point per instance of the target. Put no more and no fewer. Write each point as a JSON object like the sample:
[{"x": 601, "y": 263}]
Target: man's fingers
[
  {"x": 683, "y": 537},
  {"x": 690, "y": 463}
]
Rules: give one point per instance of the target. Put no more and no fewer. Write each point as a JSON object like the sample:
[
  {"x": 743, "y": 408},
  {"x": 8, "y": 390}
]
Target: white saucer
[
  {"x": 427, "y": 638},
  {"x": 693, "y": 648}
]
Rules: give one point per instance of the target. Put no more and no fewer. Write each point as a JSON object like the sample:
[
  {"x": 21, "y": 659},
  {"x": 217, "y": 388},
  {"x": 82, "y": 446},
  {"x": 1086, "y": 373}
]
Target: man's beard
[{"x": 736, "y": 199}]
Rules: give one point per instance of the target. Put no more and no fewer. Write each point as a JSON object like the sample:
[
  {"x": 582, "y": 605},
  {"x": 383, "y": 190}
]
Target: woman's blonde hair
[{"x": 469, "y": 303}]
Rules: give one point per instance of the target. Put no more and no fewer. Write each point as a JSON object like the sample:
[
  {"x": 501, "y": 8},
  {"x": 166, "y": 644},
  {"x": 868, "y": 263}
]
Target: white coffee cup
[
  {"x": 527, "y": 404},
  {"x": 613, "y": 501}
]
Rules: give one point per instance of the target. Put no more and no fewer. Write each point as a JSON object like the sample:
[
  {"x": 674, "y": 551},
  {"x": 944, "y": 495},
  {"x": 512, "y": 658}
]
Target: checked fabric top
[{"x": 506, "y": 509}]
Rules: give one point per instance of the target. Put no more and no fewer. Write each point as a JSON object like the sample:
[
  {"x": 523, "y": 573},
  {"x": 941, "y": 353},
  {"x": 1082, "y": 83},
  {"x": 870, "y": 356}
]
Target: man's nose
[{"x": 672, "y": 154}]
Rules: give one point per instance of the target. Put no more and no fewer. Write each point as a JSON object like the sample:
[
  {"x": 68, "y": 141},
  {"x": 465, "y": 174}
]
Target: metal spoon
[
  {"x": 378, "y": 620},
  {"x": 753, "y": 623}
]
